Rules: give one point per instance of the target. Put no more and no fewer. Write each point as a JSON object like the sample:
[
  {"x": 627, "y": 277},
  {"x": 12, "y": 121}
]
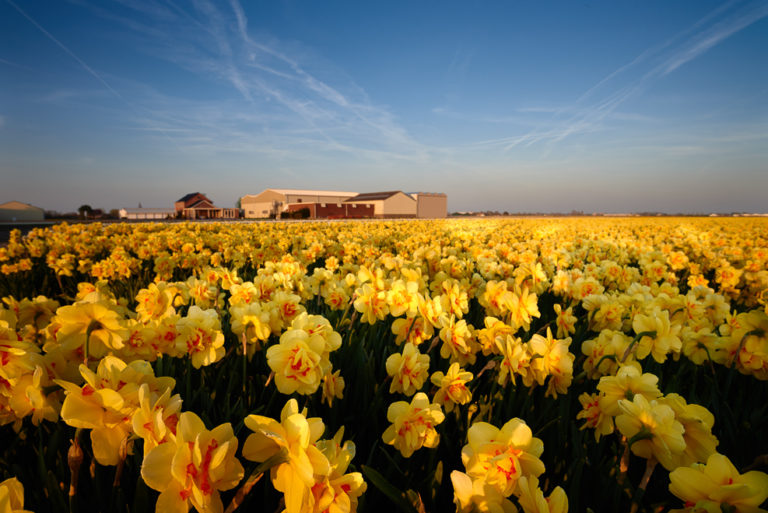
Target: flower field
[{"x": 535, "y": 365}]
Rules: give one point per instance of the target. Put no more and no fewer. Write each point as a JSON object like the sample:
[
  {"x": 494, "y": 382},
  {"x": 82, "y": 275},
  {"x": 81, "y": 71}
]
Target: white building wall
[
  {"x": 135, "y": 215},
  {"x": 315, "y": 198}
]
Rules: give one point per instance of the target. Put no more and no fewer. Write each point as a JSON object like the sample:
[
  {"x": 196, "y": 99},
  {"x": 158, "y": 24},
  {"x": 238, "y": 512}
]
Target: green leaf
[{"x": 397, "y": 497}]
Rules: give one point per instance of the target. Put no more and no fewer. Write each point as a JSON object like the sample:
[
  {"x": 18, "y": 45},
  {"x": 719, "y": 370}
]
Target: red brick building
[
  {"x": 196, "y": 205},
  {"x": 334, "y": 210}
]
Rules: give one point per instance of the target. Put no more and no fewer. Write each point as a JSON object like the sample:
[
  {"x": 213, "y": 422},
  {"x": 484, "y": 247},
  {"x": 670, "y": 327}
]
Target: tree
[{"x": 84, "y": 211}]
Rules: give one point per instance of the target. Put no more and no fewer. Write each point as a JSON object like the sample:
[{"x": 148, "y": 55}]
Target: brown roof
[
  {"x": 188, "y": 197},
  {"x": 203, "y": 203},
  {"x": 373, "y": 196}
]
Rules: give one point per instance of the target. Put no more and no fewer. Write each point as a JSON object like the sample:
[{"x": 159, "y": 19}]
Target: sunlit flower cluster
[{"x": 429, "y": 334}]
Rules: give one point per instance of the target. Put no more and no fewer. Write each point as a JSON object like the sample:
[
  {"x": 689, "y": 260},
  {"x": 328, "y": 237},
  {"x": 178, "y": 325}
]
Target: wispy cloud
[
  {"x": 287, "y": 100},
  {"x": 590, "y": 111}
]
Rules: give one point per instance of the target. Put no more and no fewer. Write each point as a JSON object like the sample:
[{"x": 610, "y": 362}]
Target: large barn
[
  {"x": 13, "y": 211},
  {"x": 389, "y": 204},
  {"x": 272, "y": 202}
]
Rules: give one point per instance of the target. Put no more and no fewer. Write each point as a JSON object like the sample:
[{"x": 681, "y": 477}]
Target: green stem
[
  {"x": 635, "y": 341},
  {"x": 277, "y": 459},
  {"x": 94, "y": 325}
]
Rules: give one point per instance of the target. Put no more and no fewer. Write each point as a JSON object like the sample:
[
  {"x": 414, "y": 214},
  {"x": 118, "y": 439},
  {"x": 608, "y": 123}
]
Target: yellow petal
[
  {"x": 156, "y": 467},
  {"x": 259, "y": 448},
  {"x": 81, "y": 413},
  {"x": 170, "y": 500},
  {"x": 106, "y": 444},
  {"x": 189, "y": 426}
]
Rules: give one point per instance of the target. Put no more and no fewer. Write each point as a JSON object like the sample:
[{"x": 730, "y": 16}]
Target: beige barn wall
[
  {"x": 431, "y": 206},
  {"x": 261, "y": 205},
  {"x": 399, "y": 205}
]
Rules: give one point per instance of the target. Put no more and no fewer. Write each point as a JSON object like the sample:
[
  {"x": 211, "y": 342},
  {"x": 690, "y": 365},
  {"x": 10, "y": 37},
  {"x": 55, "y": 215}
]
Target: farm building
[
  {"x": 388, "y": 204},
  {"x": 13, "y": 211},
  {"x": 196, "y": 205},
  {"x": 430, "y": 205},
  {"x": 147, "y": 213},
  {"x": 272, "y": 202},
  {"x": 342, "y": 210}
]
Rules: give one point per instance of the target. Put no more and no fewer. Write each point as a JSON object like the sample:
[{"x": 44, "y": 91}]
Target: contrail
[
  {"x": 86, "y": 67},
  {"x": 63, "y": 47}
]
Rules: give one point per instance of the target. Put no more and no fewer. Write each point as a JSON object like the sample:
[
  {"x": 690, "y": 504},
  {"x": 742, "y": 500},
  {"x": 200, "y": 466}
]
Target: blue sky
[{"x": 520, "y": 106}]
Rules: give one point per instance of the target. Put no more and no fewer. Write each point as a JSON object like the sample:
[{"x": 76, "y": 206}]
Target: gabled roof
[
  {"x": 374, "y": 196},
  {"x": 16, "y": 205},
  {"x": 203, "y": 203},
  {"x": 189, "y": 196}
]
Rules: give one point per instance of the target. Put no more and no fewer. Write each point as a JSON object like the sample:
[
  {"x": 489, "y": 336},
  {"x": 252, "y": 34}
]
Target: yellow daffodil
[
  {"x": 338, "y": 491},
  {"x": 371, "y": 303},
  {"x": 298, "y": 362},
  {"x": 659, "y": 335},
  {"x": 98, "y": 322},
  {"x": 413, "y": 425},
  {"x": 551, "y": 358},
  {"x": 652, "y": 430},
  {"x": 697, "y": 423},
  {"x": 200, "y": 337},
  {"x": 532, "y": 499},
  {"x": 409, "y": 370},
  {"x": 333, "y": 387},
  {"x": 475, "y": 495},
  {"x": 452, "y": 387},
  {"x": 565, "y": 321},
  {"x": 413, "y": 329},
  {"x": 494, "y": 328},
  {"x": 718, "y": 486},
  {"x": 515, "y": 361},
  {"x": 12, "y": 496},
  {"x": 107, "y": 401},
  {"x": 156, "y": 418},
  {"x": 604, "y": 353},
  {"x": 459, "y": 344},
  {"x": 191, "y": 471},
  {"x": 295, "y": 437},
  {"x": 250, "y": 322},
  {"x": 502, "y": 456},
  {"x": 628, "y": 382},
  {"x": 594, "y": 417},
  {"x": 154, "y": 302}
]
